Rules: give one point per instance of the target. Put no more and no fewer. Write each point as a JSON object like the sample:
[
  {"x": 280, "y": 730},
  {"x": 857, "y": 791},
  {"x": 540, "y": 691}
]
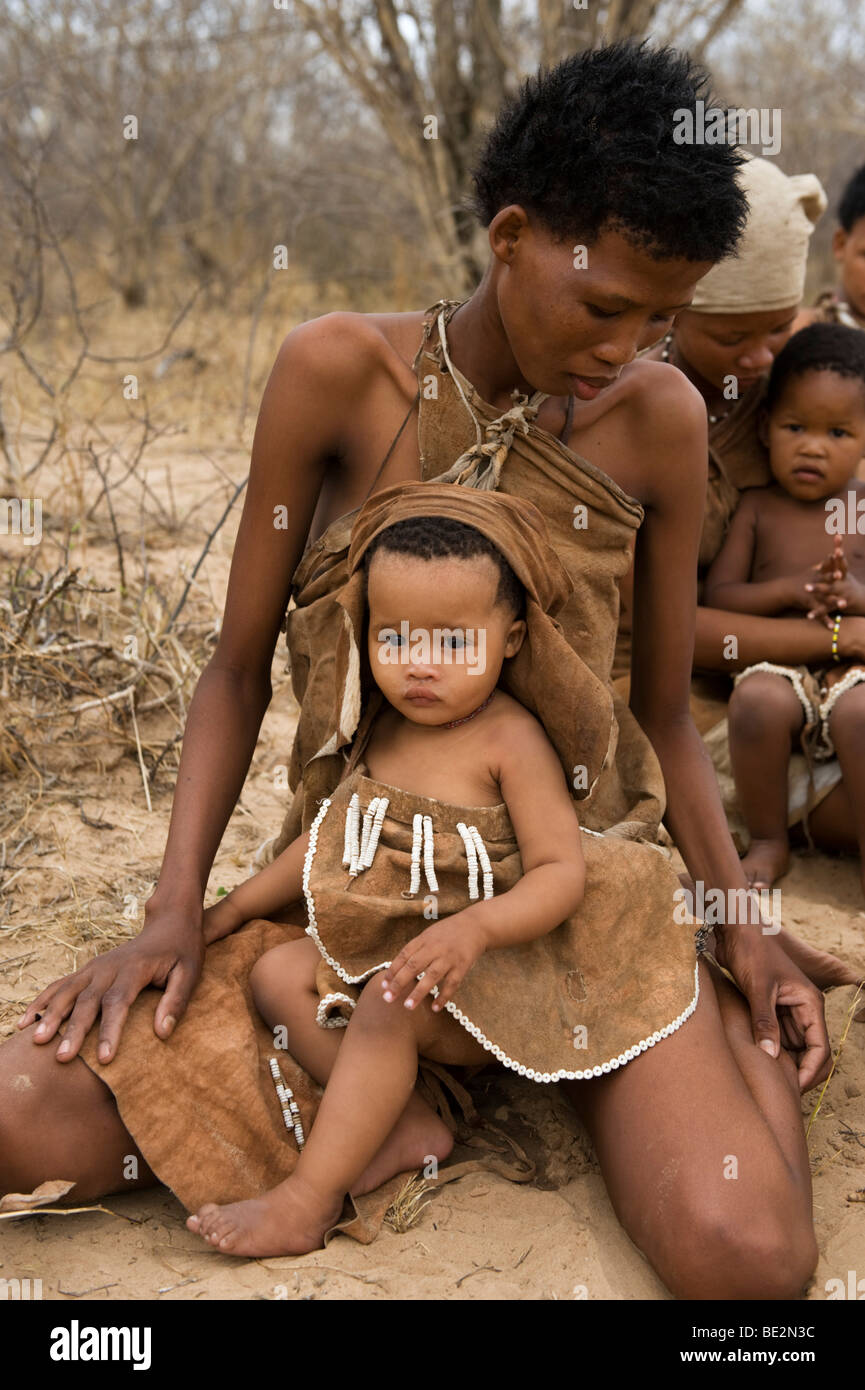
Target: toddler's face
[
  {"x": 816, "y": 434},
  {"x": 437, "y": 638}
]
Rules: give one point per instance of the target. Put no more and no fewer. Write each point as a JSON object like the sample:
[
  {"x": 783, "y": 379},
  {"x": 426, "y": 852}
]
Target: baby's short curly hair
[{"x": 441, "y": 538}]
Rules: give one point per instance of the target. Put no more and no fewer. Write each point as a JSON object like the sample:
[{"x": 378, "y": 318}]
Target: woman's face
[
  {"x": 574, "y": 315},
  {"x": 744, "y": 346}
]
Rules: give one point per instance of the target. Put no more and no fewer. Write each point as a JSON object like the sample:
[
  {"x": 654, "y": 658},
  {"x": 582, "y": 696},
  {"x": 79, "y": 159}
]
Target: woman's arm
[
  {"x": 313, "y": 389},
  {"x": 665, "y": 592},
  {"x": 729, "y": 642},
  {"x": 547, "y": 832}
]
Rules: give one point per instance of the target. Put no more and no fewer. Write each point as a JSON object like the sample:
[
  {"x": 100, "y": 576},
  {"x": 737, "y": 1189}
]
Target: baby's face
[
  {"x": 816, "y": 434},
  {"x": 437, "y": 638}
]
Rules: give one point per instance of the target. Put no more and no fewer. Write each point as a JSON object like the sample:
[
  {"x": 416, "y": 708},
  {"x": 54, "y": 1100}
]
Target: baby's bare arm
[
  {"x": 533, "y": 785},
  {"x": 545, "y": 823},
  {"x": 728, "y": 583},
  {"x": 265, "y": 892}
]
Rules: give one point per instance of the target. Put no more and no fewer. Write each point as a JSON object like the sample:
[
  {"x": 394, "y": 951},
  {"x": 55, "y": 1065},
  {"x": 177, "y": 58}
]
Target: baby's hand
[{"x": 444, "y": 953}]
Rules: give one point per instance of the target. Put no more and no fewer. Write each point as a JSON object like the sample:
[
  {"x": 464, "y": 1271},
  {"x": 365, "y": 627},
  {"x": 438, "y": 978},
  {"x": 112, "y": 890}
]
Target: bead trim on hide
[
  {"x": 488, "y": 1045},
  {"x": 337, "y": 1021}
]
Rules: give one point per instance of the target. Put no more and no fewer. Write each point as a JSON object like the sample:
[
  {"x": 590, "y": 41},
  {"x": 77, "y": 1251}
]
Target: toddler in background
[{"x": 799, "y": 545}]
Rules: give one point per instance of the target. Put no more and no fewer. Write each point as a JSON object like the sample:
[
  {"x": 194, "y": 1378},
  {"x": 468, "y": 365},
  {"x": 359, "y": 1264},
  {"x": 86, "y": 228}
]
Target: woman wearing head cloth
[
  {"x": 599, "y": 227},
  {"x": 741, "y": 315}
]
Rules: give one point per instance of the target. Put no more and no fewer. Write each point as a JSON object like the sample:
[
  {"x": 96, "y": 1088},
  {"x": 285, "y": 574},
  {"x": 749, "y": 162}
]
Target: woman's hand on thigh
[
  {"x": 775, "y": 988},
  {"x": 168, "y": 953}
]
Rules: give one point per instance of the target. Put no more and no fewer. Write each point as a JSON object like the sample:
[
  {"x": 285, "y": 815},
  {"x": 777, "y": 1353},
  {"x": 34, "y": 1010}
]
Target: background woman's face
[
  {"x": 719, "y": 346},
  {"x": 575, "y": 315}
]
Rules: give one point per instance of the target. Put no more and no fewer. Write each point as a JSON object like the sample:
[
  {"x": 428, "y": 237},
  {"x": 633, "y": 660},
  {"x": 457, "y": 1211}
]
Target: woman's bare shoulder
[
  {"x": 657, "y": 388},
  {"x": 350, "y": 348}
]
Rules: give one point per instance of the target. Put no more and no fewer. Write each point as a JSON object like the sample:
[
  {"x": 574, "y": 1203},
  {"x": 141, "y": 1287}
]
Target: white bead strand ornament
[
  {"x": 472, "y": 857},
  {"x": 428, "y": 846}
]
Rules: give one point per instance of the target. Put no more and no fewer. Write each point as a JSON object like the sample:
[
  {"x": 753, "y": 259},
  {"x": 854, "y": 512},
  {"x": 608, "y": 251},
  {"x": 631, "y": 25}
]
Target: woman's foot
[
  {"x": 822, "y": 968},
  {"x": 289, "y": 1220},
  {"x": 766, "y": 862},
  {"x": 418, "y": 1136}
]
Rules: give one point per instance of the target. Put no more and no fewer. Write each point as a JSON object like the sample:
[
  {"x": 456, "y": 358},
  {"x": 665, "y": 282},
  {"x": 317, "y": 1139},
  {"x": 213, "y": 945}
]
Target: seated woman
[
  {"x": 532, "y": 386},
  {"x": 487, "y": 919}
]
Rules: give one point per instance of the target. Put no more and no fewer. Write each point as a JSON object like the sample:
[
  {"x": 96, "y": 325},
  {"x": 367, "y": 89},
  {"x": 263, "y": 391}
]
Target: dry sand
[{"x": 480, "y": 1237}]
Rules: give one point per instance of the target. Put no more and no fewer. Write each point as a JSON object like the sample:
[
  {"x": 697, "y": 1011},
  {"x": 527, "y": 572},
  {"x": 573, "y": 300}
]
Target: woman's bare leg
[
  {"x": 847, "y": 728},
  {"x": 58, "y": 1120},
  {"x": 283, "y": 986},
  {"x": 701, "y": 1146},
  {"x": 831, "y": 823}
]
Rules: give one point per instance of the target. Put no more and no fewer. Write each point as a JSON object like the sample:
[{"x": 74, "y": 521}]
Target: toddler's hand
[
  {"x": 833, "y": 590},
  {"x": 845, "y": 596},
  {"x": 444, "y": 953}
]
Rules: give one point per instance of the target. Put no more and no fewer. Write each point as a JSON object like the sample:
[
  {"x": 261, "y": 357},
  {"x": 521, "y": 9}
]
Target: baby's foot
[
  {"x": 418, "y": 1136},
  {"x": 289, "y": 1220},
  {"x": 766, "y": 861}
]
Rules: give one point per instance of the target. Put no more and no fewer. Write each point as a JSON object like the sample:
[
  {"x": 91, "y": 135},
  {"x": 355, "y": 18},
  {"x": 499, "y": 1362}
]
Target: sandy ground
[{"x": 480, "y": 1237}]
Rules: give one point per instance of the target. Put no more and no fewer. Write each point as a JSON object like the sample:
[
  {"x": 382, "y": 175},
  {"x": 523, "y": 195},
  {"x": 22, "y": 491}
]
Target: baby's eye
[
  {"x": 792, "y": 428},
  {"x": 390, "y": 639},
  {"x": 600, "y": 313},
  {"x": 453, "y": 642},
  {"x": 837, "y": 432}
]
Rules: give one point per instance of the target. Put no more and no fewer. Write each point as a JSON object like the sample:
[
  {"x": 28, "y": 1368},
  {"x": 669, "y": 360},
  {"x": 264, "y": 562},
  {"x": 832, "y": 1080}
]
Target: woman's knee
[
  {"x": 770, "y": 1255},
  {"x": 60, "y": 1120},
  {"x": 36, "y": 1093},
  {"x": 847, "y": 719}
]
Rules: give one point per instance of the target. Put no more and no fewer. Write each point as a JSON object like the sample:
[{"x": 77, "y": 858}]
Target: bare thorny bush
[
  {"x": 98, "y": 662},
  {"x": 104, "y": 629}
]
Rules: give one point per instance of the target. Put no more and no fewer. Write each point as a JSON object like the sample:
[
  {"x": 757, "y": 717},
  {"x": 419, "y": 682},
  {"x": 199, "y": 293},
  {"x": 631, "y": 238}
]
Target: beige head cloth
[{"x": 768, "y": 271}]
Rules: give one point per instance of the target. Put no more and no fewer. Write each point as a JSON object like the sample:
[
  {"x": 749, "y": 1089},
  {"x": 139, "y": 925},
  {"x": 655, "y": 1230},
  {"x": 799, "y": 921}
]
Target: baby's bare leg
[
  {"x": 284, "y": 989},
  {"x": 764, "y": 716},
  {"x": 369, "y": 1088}
]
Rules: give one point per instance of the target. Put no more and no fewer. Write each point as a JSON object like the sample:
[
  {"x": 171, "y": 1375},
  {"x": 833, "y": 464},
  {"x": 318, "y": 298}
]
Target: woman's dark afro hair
[{"x": 588, "y": 145}]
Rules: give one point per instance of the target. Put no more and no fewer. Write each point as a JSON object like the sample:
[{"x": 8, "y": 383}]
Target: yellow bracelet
[{"x": 836, "y": 628}]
